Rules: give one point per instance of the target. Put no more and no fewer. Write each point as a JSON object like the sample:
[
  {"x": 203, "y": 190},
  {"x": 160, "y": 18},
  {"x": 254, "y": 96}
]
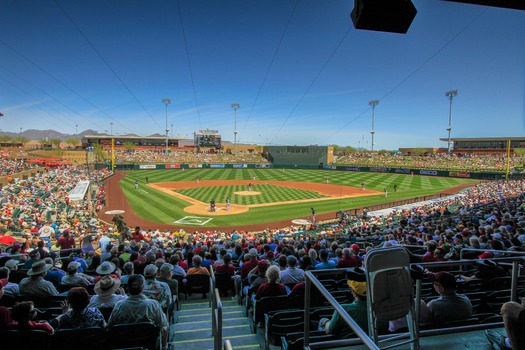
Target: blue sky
[{"x": 300, "y": 71}]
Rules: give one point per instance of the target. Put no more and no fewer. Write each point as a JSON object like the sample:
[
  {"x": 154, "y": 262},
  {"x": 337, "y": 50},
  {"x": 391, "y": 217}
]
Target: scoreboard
[{"x": 208, "y": 138}]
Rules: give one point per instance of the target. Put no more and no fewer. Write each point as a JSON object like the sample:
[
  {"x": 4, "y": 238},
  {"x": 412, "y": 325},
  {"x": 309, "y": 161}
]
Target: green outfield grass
[{"x": 161, "y": 207}]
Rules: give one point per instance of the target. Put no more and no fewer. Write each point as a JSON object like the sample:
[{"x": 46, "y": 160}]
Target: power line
[
  {"x": 59, "y": 81},
  {"x": 314, "y": 79},
  {"x": 411, "y": 74},
  {"x": 189, "y": 64},
  {"x": 107, "y": 64},
  {"x": 270, "y": 66}
]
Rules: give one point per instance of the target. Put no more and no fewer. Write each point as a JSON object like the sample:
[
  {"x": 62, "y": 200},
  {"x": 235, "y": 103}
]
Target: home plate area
[{"x": 193, "y": 220}]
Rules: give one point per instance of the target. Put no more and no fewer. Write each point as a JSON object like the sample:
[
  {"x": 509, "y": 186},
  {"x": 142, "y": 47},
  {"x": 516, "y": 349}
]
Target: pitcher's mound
[
  {"x": 220, "y": 209},
  {"x": 247, "y": 193}
]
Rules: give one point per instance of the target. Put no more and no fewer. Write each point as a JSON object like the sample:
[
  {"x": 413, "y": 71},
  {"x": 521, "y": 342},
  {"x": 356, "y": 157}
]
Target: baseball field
[{"x": 260, "y": 197}]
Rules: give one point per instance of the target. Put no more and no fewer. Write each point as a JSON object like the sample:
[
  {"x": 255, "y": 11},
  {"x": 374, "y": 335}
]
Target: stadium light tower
[
  {"x": 235, "y": 106},
  {"x": 166, "y": 101},
  {"x": 111, "y": 128},
  {"x": 450, "y": 94},
  {"x": 373, "y": 104}
]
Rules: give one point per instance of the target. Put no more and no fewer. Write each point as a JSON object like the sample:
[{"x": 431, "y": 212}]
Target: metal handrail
[
  {"x": 311, "y": 279},
  {"x": 216, "y": 313},
  {"x": 363, "y": 337}
]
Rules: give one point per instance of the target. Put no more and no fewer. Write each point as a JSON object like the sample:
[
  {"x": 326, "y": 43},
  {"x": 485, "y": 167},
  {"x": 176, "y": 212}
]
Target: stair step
[{"x": 193, "y": 331}]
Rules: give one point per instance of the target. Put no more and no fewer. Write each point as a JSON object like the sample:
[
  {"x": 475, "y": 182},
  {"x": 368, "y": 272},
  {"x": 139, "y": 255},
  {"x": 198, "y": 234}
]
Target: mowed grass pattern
[
  {"x": 161, "y": 207},
  {"x": 268, "y": 194}
]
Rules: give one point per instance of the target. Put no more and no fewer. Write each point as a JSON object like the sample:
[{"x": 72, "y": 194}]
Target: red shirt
[
  {"x": 222, "y": 268},
  {"x": 137, "y": 237},
  {"x": 66, "y": 242}
]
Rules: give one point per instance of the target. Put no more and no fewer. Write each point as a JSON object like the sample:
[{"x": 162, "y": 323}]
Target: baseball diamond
[{"x": 276, "y": 198}]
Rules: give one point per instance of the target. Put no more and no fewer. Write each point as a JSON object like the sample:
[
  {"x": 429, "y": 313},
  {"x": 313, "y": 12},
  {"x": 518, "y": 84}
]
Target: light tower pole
[
  {"x": 111, "y": 128},
  {"x": 171, "y": 130},
  {"x": 373, "y": 104},
  {"x": 235, "y": 106},
  {"x": 166, "y": 101},
  {"x": 76, "y": 129},
  {"x": 450, "y": 94}
]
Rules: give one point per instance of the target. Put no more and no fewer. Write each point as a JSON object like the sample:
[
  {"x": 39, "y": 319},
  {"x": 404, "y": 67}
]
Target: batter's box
[{"x": 193, "y": 220}]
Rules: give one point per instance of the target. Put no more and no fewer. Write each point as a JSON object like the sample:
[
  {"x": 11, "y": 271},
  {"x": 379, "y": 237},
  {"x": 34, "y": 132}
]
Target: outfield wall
[{"x": 407, "y": 171}]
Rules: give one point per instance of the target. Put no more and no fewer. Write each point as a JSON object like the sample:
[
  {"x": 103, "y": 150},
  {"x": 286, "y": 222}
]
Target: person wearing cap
[
  {"x": 35, "y": 285},
  {"x": 15, "y": 275},
  {"x": 449, "y": 306},
  {"x": 137, "y": 308},
  {"x": 357, "y": 309},
  {"x": 154, "y": 289},
  {"x": 34, "y": 256},
  {"x": 76, "y": 312},
  {"x": 487, "y": 270},
  {"x": 106, "y": 293},
  {"x": 74, "y": 278},
  {"x": 166, "y": 275}
]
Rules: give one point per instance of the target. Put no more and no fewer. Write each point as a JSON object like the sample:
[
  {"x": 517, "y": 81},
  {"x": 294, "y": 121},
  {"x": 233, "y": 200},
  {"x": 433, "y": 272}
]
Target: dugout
[{"x": 300, "y": 155}]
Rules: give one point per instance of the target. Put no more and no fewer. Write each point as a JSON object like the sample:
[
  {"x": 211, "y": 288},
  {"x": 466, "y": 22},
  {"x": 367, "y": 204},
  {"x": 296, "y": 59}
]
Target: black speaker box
[{"x": 393, "y": 16}]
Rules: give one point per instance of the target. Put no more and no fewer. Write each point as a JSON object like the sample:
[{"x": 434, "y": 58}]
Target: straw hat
[
  {"x": 107, "y": 286},
  {"x": 106, "y": 268},
  {"x": 38, "y": 267}
]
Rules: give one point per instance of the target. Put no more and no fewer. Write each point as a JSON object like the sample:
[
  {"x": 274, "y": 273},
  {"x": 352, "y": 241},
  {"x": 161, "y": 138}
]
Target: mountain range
[{"x": 33, "y": 134}]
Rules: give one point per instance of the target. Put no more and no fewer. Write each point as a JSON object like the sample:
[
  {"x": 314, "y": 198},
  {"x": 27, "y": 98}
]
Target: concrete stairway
[{"x": 193, "y": 329}]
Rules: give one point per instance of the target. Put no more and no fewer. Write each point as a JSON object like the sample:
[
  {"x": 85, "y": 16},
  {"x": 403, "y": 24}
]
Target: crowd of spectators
[
  {"x": 9, "y": 167},
  {"x": 65, "y": 244},
  {"x": 183, "y": 157},
  {"x": 441, "y": 161}
]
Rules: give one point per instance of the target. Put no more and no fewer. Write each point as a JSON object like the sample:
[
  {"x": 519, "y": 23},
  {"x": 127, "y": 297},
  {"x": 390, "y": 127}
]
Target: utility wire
[
  {"x": 53, "y": 98},
  {"x": 59, "y": 81},
  {"x": 107, "y": 65},
  {"x": 314, "y": 79},
  {"x": 269, "y": 67},
  {"x": 457, "y": 35},
  {"x": 189, "y": 64}
]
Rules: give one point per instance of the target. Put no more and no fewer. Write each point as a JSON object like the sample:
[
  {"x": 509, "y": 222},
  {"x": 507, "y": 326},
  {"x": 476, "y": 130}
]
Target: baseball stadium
[
  {"x": 206, "y": 197},
  {"x": 262, "y": 175}
]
